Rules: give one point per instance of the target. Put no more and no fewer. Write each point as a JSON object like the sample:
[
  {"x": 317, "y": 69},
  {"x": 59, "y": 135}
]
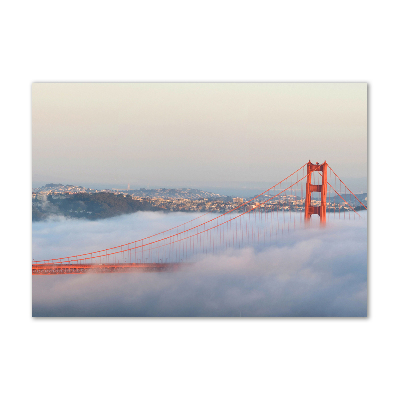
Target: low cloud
[{"x": 306, "y": 273}]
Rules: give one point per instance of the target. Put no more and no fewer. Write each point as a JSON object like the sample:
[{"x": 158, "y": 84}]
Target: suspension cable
[
  {"x": 347, "y": 188},
  {"x": 344, "y": 200},
  {"x": 112, "y": 248},
  {"x": 199, "y": 233}
]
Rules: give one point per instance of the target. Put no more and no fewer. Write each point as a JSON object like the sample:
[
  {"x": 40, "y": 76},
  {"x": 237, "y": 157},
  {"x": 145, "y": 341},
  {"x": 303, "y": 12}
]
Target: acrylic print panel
[{"x": 199, "y": 199}]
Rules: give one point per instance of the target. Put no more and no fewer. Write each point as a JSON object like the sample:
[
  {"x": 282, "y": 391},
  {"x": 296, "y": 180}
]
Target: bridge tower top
[{"x": 309, "y": 209}]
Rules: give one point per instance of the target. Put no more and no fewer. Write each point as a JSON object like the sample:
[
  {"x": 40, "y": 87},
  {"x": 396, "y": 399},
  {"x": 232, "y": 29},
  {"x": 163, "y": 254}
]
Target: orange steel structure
[
  {"x": 308, "y": 208},
  {"x": 57, "y": 269}
]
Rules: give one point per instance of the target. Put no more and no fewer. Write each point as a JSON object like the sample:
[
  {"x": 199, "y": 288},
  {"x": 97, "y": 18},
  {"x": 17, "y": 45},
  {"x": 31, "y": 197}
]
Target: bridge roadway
[{"x": 61, "y": 269}]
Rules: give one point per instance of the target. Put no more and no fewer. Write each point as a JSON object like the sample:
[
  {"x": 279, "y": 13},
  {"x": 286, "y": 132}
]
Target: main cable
[{"x": 139, "y": 240}]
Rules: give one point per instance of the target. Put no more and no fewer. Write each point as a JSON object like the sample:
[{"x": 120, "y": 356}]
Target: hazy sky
[{"x": 195, "y": 134}]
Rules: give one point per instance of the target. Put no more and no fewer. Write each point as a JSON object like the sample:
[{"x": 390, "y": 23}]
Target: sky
[
  {"x": 202, "y": 135},
  {"x": 295, "y": 276}
]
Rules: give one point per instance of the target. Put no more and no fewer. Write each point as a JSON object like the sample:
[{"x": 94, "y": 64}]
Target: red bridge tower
[{"x": 309, "y": 209}]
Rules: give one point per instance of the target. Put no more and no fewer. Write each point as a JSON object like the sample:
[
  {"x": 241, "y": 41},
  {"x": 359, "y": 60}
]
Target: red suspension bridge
[{"x": 275, "y": 212}]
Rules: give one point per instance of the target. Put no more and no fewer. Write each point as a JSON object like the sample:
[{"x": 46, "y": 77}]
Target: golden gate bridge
[{"x": 259, "y": 221}]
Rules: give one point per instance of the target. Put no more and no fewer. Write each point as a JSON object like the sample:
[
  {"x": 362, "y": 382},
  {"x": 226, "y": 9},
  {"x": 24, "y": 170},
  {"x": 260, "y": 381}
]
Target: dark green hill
[{"x": 90, "y": 206}]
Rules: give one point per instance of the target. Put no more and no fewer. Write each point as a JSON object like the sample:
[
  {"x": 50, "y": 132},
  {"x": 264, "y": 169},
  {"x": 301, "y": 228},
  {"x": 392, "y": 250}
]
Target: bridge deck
[{"x": 57, "y": 269}]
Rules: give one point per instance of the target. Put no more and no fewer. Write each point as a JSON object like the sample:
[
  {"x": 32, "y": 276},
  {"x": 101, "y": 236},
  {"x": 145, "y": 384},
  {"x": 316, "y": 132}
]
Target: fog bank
[{"x": 309, "y": 272}]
